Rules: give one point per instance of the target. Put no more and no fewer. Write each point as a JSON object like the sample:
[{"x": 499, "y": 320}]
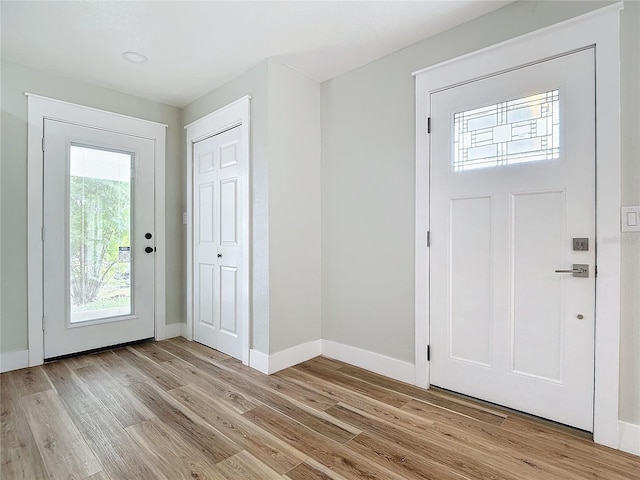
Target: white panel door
[
  {"x": 99, "y": 265},
  {"x": 216, "y": 238},
  {"x": 512, "y": 184}
]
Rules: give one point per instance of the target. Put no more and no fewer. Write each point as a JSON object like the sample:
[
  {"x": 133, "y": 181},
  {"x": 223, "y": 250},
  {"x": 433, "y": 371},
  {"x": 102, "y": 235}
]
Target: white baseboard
[
  {"x": 284, "y": 359},
  {"x": 629, "y": 437},
  {"x": 14, "y": 360},
  {"x": 259, "y": 361},
  {"x": 387, "y": 366},
  {"x": 175, "y": 330},
  {"x": 294, "y": 355}
]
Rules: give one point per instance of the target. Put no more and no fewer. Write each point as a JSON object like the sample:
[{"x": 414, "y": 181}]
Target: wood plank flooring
[{"x": 177, "y": 410}]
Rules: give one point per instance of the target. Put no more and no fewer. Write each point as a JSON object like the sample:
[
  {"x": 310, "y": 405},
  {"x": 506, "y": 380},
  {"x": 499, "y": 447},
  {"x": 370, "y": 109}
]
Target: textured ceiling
[{"x": 194, "y": 47}]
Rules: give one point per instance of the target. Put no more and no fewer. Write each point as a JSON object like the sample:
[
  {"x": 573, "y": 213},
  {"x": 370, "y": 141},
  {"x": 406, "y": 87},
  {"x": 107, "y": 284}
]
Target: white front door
[
  {"x": 512, "y": 185},
  {"x": 99, "y": 267},
  {"x": 217, "y": 279}
]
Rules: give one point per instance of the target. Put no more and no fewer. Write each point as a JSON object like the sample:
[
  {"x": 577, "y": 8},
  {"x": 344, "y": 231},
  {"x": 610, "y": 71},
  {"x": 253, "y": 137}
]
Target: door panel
[
  {"x": 512, "y": 182},
  {"x": 206, "y": 281},
  {"x": 98, "y": 206},
  {"x": 228, "y": 300},
  {"x": 217, "y": 246},
  {"x": 471, "y": 303},
  {"x": 229, "y": 212},
  {"x": 538, "y": 316},
  {"x": 206, "y": 207}
]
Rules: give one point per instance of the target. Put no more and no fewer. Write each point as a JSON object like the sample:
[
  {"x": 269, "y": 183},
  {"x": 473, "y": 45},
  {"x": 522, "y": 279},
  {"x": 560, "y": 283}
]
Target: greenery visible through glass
[{"x": 99, "y": 233}]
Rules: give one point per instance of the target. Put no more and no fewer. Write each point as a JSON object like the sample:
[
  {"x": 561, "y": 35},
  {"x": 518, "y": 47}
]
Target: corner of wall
[
  {"x": 14, "y": 360},
  {"x": 629, "y": 437},
  {"x": 294, "y": 208}
]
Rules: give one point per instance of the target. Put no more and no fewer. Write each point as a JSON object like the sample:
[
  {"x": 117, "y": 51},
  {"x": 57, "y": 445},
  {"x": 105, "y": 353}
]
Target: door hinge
[
  {"x": 42, "y": 233},
  {"x": 43, "y": 323},
  {"x": 428, "y": 353},
  {"x": 428, "y": 238},
  {"x": 43, "y": 144},
  {"x": 595, "y": 270},
  {"x": 428, "y": 124}
]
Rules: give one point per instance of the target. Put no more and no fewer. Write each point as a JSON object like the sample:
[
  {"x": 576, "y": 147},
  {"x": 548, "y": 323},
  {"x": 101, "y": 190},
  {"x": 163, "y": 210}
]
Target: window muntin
[{"x": 523, "y": 130}]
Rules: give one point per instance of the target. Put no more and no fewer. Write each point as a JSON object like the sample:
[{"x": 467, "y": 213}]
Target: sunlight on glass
[
  {"x": 99, "y": 233},
  {"x": 522, "y": 130}
]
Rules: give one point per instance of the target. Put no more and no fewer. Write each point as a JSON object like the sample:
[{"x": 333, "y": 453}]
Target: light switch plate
[{"x": 630, "y": 219}]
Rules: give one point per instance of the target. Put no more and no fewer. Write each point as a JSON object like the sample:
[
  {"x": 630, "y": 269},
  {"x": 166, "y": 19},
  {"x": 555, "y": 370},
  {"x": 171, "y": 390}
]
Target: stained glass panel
[{"x": 516, "y": 131}]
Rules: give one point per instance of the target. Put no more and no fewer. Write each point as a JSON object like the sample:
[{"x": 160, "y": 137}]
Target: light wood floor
[{"x": 177, "y": 410}]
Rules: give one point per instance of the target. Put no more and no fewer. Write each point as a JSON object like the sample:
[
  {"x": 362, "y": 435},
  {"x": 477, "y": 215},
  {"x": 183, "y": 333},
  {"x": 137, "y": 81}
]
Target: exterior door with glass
[
  {"x": 512, "y": 211},
  {"x": 99, "y": 253}
]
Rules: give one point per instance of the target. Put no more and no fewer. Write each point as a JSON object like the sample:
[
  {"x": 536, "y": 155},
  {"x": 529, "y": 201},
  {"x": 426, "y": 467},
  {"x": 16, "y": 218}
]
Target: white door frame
[
  {"x": 232, "y": 115},
  {"x": 39, "y": 109},
  {"x": 599, "y": 28}
]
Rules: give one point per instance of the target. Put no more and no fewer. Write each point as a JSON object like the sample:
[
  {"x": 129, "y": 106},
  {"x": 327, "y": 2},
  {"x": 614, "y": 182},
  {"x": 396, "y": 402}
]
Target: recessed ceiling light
[{"x": 135, "y": 57}]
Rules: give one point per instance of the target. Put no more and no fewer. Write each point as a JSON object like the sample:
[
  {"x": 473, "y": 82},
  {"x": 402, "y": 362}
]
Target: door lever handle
[{"x": 578, "y": 270}]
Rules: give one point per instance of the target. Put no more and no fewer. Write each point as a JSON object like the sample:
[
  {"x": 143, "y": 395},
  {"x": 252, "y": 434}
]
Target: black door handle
[
  {"x": 149, "y": 249},
  {"x": 219, "y": 255}
]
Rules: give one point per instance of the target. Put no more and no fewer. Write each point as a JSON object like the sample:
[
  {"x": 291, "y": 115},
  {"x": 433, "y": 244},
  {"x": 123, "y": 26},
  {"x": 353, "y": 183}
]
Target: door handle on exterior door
[
  {"x": 579, "y": 270},
  {"x": 149, "y": 249}
]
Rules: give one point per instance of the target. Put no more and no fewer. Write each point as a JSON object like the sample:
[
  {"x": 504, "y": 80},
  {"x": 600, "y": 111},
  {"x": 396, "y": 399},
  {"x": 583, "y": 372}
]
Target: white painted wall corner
[
  {"x": 374, "y": 362},
  {"x": 294, "y": 355},
  {"x": 14, "y": 360},
  {"x": 629, "y": 437},
  {"x": 259, "y": 361},
  {"x": 286, "y": 358},
  {"x": 175, "y": 330}
]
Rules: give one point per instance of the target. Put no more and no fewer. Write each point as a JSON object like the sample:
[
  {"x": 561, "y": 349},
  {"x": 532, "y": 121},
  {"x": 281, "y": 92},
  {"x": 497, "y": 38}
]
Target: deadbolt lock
[{"x": 580, "y": 244}]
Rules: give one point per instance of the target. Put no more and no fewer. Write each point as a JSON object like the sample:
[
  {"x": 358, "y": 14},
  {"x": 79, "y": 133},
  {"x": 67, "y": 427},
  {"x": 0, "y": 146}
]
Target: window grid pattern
[{"x": 522, "y": 130}]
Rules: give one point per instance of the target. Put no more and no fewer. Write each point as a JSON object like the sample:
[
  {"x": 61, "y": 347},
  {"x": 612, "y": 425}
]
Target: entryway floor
[{"x": 178, "y": 410}]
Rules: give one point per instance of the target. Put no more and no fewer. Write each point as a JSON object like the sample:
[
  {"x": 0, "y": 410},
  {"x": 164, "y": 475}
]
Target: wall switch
[
  {"x": 184, "y": 218},
  {"x": 630, "y": 219}
]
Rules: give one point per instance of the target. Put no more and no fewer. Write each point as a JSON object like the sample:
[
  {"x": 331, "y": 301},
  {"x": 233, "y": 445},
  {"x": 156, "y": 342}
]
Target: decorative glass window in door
[{"x": 523, "y": 130}]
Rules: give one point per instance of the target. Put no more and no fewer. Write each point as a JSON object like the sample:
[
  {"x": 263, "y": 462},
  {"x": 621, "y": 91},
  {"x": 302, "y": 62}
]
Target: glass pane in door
[{"x": 99, "y": 233}]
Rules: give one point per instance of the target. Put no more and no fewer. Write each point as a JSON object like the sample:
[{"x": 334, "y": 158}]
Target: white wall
[
  {"x": 294, "y": 208},
  {"x": 368, "y": 178},
  {"x": 255, "y": 83},
  {"x": 285, "y": 169},
  {"x": 16, "y": 80},
  {"x": 630, "y": 275}
]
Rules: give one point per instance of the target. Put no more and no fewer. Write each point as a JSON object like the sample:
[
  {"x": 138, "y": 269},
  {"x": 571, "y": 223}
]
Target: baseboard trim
[
  {"x": 629, "y": 437},
  {"x": 374, "y": 362},
  {"x": 175, "y": 330},
  {"x": 259, "y": 361},
  {"x": 14, "y": 360},
  {"x": 285, "y": 358},
  {"x": 294, "y": 355}
]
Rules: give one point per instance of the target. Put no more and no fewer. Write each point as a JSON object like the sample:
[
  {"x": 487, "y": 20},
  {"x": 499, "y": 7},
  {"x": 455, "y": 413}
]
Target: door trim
[
  {"x": 599, "y": 29},
  {"x": 235, "y": 114},
  {"x": 39, "y": 109}
]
